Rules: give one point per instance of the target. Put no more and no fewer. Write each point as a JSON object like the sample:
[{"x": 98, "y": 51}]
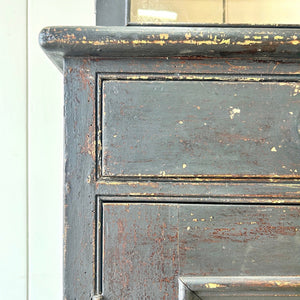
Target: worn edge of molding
[{"x": 279, "y": 44}]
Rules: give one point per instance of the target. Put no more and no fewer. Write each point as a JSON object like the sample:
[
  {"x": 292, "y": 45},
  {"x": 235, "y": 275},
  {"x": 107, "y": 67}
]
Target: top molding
[{"x": 277, "y": 44}]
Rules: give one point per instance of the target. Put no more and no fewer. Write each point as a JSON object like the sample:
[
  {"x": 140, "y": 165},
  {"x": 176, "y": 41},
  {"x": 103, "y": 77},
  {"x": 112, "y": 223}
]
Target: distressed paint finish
[
  {"x": 231, "y": 240},
  {"x": 253, "y": 57},
  {"x": 79, "y": 225},
  {"x": 140, "y": 257},
  {"x": 171, "y": 128},
  {"x": 255, "y": 43},
  {"x": 229, "y": 287},
  {"x": 245, "y": 190},
  {"x": 147, "y": 245}
]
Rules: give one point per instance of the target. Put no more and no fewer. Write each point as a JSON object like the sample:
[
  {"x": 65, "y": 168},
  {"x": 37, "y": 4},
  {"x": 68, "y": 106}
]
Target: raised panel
[{"x": 200, "y": 128}]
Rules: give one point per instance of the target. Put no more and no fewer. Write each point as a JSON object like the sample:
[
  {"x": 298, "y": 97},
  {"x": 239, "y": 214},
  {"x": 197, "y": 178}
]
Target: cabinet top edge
[{"x": 252, "y": 43}]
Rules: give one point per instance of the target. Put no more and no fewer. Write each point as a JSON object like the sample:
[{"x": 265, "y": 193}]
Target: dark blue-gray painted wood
[
  {"x": 239, "y": 287},
  {"x": 147, "y": 246},
  {"x": 79, "y": 193},
  {"x": 200, "y": 128},
  {"x": 92, "y": 55},
  {"x": 255, "y": 43}
]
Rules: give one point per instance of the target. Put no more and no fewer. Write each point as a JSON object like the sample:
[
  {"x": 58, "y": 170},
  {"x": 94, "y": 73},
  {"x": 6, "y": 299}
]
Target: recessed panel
[{"x": 200, "y": 128}]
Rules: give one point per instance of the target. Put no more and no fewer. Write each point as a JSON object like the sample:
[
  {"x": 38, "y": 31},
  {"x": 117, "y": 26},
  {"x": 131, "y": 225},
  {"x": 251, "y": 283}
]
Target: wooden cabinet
[{"x": 182, "y": 162}]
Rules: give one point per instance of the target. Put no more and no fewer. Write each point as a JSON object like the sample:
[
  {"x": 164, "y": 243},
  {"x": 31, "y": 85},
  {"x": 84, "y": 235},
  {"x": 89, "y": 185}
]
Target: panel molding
[
  {"x": 193, "y": 287},
  {"x": 236, "y": 286},
  {"x": 156, "y": 41},
  {"x": 140, "y": 77}
]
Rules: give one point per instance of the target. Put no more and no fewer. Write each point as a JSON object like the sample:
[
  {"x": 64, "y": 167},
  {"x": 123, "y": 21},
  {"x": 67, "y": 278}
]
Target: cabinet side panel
[{"x": 79, "y": 236}]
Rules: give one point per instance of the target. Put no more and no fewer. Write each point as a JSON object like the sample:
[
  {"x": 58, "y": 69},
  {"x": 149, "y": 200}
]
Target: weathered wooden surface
[
  {"x": 200, "y": 128},
  {"x": 254, "y": 43},
  {"x": 147, "y": 246},
  {"x": 239, "y": 287},
  {"x": 227, "y": 240},
  {"x": 140, "y": 256},
  {"x": 79, "y": 193},
  {"x": 145, "y": 249},
  {"x": 206, "y": 191},
  {"x": 82, "y": 267}
]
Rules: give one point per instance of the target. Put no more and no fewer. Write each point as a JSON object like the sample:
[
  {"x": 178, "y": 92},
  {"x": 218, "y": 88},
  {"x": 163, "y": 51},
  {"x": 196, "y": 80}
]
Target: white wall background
[{"x": 31, "y": 152}]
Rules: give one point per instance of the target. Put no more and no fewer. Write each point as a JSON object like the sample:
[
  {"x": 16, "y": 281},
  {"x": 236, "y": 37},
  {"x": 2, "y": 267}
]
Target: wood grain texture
[
  {"x": 140, "y": 256},
  {"x": 245, "y": 240},
  {"x": 147, "y": 246},
  {"x": 200, "y": 128},
  {"x": 79, "y": 194}
]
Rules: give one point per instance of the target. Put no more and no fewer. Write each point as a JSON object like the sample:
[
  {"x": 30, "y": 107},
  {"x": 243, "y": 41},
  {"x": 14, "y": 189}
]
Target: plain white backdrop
[{"x": 31, "y": 120}]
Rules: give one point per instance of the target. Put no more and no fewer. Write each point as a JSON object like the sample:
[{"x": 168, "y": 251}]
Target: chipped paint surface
[
  {"x": 189, "y": 140},
  {"x": 272, "y": 44},
  {"x": 213, "y": 285},
  {"x": 130, "y": 270},
  {"x": 229, "y": 229},
  {"x": 188, "y": 35},
  {"x": 233, "y": 111},
  {"x": 178, "y": 243},
  {"x": 296, "y": 90},
  {"x": 164, "y": 36}
]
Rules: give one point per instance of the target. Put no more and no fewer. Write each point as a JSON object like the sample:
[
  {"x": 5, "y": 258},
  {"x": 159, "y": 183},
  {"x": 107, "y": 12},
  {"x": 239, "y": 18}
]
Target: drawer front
[
  {"x": 200, "y": 128},
  {"x": 229, "y": 250}
]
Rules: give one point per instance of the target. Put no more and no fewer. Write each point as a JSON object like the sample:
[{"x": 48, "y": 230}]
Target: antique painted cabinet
[{"x": 182, "y": 161}]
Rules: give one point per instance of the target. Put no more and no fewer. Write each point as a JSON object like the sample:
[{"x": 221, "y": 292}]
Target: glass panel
[
  {"x": 216, "y": 11},
  {"x": 168, "y": 11},
  {"x": 263, "y": 11}
]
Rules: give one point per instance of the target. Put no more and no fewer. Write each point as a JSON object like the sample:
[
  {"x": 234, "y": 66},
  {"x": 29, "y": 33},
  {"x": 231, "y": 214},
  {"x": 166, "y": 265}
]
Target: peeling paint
[
  {"x": 296, "y": 90},
  {"x": 164, "y": 36},
  {"x": 233, "y": 111},
  {"x": 278, "y": 37},
  {"x": 214, "y": 285},
  {"x": 188, "y": 35}
]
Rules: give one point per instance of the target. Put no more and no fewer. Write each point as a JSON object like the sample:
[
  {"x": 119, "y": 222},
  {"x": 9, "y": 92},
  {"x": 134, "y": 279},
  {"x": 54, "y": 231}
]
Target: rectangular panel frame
[
  {"x": 194, "y": 287},
  {"x": 102, "y": 77}
]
